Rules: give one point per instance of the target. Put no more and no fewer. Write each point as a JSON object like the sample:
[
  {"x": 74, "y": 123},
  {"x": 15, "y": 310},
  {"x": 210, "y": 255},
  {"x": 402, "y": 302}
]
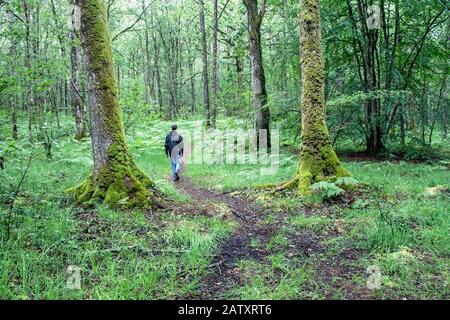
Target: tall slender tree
[
  {"x": 28, "y": 67},
  {"x": 255, "y": 15},
  {"x": 214, "y": 80},
  {"x": 148, "y": 63},
  {"x": 78, "y": 108},
  {"x": 115, "y": 178},
  {"x": 12, "y": 97},
  {"x": 206, "y": 101},
  {"x": 157, "y": 67},
  {"x": 318, "y": 161}
]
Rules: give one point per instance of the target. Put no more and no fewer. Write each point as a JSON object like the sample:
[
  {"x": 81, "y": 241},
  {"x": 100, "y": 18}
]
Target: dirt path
[
  {"x": 225, "y": 273},
  {"x": 237, "y": 247}
]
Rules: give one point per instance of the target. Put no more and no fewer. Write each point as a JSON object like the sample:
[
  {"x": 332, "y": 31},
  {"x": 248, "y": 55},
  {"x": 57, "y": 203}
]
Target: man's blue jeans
[{"x": 175, "y": 169}]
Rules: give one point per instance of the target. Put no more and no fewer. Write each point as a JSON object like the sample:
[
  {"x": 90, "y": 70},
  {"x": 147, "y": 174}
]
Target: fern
[
  {"x": 327, "y": 189},
  {"x": 346, "y": 181}
]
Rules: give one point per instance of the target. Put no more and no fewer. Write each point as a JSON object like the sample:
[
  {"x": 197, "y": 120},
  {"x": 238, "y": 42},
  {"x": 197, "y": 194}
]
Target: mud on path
[{"x": 225, "y": 274}]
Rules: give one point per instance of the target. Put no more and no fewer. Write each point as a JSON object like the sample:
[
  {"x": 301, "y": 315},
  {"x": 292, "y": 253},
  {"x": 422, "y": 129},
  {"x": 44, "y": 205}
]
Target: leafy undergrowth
[{"x": 397, "y": 220}]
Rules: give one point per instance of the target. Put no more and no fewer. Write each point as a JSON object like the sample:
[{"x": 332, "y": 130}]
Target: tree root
[
  {"x": 266, "y": 186},
  {"x": 287, "y": 185}
]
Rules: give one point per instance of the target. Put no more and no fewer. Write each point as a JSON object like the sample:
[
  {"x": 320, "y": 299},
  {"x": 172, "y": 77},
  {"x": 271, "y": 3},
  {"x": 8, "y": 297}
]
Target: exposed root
[
  {"x": 287, "y": 185},
  {"x": 266, "y": 186}
]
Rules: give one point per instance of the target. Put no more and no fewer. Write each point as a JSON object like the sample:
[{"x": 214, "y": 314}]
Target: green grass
[
  {"x": 392, "y": 222},
  {"x": 122, "y": 255},
  {"x": 261, "y": 283},
  {"x": 314, "y": 223}
]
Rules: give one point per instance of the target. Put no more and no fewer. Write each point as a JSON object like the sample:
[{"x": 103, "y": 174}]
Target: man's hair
[{"x": 174, "y": 127}]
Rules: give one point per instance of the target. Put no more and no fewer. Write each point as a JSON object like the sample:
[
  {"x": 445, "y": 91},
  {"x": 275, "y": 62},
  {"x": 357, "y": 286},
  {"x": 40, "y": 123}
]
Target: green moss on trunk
[
  {"x": 119, "y": 183},
  {"x": 318, "y": 161},
  {"x": 116, "y": 179}
]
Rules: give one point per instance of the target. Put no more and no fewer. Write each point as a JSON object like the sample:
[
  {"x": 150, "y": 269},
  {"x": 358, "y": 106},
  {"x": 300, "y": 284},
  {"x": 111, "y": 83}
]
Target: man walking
[{"x": 174, "y": 150}]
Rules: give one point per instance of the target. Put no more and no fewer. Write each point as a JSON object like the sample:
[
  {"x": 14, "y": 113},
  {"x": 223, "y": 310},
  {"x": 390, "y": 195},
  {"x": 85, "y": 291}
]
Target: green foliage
[
  {"x": 346, "y": 182},
  {"x": 327, "y": 189},
  {"x": 9, "y": 150},
  {"x": 122, "y": 255},
  {"x": 418, "y": 152},
  {"x": 315, "y": 250}
]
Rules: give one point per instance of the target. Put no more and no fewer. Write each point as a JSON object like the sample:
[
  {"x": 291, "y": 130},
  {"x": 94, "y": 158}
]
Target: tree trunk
[
  {"x": 157, "y": 70},
  {"x": 77, "y": 104},
  {"x": 214, "y": 66},
  {"x": 115, "y": 178},
  {"x": 443, "y": 98},
  {"x": 443, "y": 107},
  {"x": 169, "y": 42},
  {"x": 402, "y": 126},
  {"x": 148, "y": 69},
  {"x": 12, "y": 96},
  {"x": 54, "y": 106},
  {"x": 75, "y": 88},
  {"x": 206, "y": 102},
  {"x": 318, "y": 161},
  {"x": 259, "y": 94},
  {"x": 66, "y": 97},
  {"x": 28, "y": 66},
  {"x": 239, "y": 83},
  {"x": 366, "y": 45},
  {"x": 192, "y": 81}
]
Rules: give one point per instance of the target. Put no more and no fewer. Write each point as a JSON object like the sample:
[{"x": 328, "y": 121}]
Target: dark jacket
[{"x": 171, "y": 141}]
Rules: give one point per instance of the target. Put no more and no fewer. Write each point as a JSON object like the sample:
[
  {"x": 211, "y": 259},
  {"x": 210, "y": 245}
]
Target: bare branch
[{"x": 135, "y": 22}]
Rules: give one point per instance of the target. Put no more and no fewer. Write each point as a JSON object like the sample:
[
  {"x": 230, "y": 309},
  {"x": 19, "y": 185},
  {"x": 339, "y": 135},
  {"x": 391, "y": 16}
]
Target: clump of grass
[
  {"x": 312, "y": 223},
  {"x": 261, "y": 281}
]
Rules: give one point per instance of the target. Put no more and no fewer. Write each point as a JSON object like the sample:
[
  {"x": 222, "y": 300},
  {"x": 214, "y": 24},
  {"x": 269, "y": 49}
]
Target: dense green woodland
[{"x": 357, "y": 209}]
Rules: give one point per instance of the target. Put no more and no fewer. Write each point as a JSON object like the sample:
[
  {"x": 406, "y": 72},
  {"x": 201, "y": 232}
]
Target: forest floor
[
  {"x": 219, "y": 237},
  {"x": 250, "y": 244}
]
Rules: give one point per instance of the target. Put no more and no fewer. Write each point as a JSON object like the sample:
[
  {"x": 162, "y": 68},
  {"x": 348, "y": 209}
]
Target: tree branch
[{"x": 135, "y": 22}]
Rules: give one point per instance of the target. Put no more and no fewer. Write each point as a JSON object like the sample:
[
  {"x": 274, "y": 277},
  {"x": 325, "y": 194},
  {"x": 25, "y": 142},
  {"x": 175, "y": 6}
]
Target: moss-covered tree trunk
[
  {"x": 318, "y": 161},
  {"x": 115, "y": 178}
]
